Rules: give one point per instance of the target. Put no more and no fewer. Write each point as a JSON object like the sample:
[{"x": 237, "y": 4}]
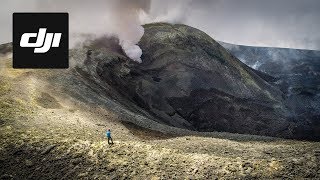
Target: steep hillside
[{"x": 297, "y": 74}]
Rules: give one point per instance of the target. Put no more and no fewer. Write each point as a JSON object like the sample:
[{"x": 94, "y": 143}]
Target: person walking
[{"x": 108, "y": 134}]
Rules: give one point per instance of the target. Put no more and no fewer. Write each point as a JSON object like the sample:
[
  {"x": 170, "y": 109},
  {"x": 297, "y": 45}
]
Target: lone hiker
[{"x": 108, "y": 134}]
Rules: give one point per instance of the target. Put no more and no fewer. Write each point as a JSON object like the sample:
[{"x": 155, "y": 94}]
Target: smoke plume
[{"x": 98, "y": 18}]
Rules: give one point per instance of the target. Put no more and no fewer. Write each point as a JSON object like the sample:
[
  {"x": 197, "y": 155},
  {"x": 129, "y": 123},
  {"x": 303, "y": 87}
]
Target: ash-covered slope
[
  {"x": 277, "y": 61},
  {"x": 188, "y": 80},
  {"x": 295, "y": 68},
  {"x": 298, "y": 76}
]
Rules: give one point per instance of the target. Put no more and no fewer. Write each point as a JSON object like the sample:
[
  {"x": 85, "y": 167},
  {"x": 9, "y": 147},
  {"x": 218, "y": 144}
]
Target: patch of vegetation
[
  {"x": 4, "y": 86},
  {"x": 11, "y": 108}
]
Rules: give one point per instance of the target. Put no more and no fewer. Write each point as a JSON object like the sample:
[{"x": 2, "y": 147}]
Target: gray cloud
[
  {"x": 278, "y": 23},
  {"x": 281, "y": 23}
]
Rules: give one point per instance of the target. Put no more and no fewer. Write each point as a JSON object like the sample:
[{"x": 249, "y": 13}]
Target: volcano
[{"x": 188, "y": 80}]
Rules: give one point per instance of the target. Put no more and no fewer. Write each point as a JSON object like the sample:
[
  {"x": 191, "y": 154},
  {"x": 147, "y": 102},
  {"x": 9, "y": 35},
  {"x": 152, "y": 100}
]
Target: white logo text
[{"x": 44, "y": 40}]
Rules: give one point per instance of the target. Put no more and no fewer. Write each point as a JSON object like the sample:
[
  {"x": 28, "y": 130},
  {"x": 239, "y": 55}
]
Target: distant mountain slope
[
  {"x": 277, "y": 61},
  {"x": 298, "y": 74}
]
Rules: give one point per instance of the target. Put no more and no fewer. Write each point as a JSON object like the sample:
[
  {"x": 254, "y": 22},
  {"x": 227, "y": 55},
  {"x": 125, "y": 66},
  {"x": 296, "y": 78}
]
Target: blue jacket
[{"x": 108, "y": 134}]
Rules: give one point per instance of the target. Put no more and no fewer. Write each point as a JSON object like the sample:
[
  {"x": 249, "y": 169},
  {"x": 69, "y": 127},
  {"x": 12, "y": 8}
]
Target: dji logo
[
  {"x": 44, "y": 40},
  {"x": 40, "y": 40}
]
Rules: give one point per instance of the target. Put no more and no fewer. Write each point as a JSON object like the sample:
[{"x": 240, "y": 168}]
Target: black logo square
[{"x": 41, "y": 40}]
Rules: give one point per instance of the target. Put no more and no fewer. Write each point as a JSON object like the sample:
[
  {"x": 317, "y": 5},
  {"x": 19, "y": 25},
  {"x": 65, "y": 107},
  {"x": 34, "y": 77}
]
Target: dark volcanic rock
[
  {"x": 5, "y": 48},
  {"x": 297, "y": 74},
  {"x": 188, "y": 80}
]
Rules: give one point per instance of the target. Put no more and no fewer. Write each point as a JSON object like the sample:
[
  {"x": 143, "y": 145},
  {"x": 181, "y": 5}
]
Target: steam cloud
[
  {"x": 97, "y": 18},
  {"x": 90, "y": 19},
  {"x": 119, "y": 18}
]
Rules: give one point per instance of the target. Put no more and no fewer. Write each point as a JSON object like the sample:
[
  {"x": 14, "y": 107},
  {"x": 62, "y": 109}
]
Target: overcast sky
[
  {"x": 282, "y": 23},
  {"x": 277, "y": 23}
]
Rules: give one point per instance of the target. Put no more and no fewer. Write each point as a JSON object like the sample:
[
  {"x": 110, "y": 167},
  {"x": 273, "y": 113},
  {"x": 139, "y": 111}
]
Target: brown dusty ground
[{"x": 51, "y": 129}]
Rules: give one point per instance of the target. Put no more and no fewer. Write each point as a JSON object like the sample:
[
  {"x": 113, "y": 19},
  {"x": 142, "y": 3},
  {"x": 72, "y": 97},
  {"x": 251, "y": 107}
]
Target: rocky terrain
[
  {"x": 52, "y": 122},
  {"x": 296, "y": 73}
]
